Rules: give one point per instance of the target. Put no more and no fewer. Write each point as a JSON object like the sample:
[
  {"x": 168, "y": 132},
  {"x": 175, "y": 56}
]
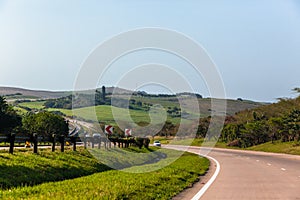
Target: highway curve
[{"x": 246, "y": 175}]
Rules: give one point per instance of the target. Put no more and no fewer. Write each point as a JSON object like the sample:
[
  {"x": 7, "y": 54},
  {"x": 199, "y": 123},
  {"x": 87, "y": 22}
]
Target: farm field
[
  {"x": 33, "y": 104},
  {"x": 113, "y": 184},
  {"x": 104, "y": 112}
]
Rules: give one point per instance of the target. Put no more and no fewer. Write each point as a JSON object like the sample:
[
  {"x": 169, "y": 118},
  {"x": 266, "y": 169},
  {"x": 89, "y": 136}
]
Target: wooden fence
[{"x": 73, "y": 138}]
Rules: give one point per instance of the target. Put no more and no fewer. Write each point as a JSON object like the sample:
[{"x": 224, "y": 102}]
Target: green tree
[
  {"x": 103, "y": 93},
  {"x": 276, "y": 125},
  {"x": 9, "y": 119},
  {"x": 203, "y": 127},
  {"x": 291, "y": 127},
  {"x": 254, "y": 133},
  {"x": 230, "y": 132},
  {"x": 45, "y": 124}
]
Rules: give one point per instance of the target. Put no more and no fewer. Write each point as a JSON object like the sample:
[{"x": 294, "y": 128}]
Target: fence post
[
  {"x": 12, "y": 138},
  {"x": 109, "y": 143},
  {"x": 53, "y": 142},
  {"x": 92, "y": 140},
  {"x": 35, "y": 143},
  {"x": 84, "y": 141},
  {"x": 62, "y": 143},
  {"x": 99, "y": 143},
  {"x": 73, "y": 140}
]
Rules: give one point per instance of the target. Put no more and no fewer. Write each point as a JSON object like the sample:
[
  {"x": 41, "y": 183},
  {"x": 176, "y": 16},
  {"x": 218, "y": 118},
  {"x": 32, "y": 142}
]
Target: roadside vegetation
[
  {"x": 112, "y": 184},
  {"x": 278, "y": 147},
  {"x": 274, "y": 147},
  {"x": 278, "y": 122},
  {"x": 26, "y": 169}
]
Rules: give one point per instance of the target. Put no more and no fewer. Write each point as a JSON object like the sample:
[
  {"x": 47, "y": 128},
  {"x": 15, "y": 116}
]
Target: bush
[{"x": 140, "y": 142}]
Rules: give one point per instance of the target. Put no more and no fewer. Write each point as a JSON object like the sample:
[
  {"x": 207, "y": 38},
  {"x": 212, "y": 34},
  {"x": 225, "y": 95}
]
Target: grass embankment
[
  {"x": 113, "y": 184},
  {"x": 276, "y": 147},
  {"x": 25, "y": 168}
]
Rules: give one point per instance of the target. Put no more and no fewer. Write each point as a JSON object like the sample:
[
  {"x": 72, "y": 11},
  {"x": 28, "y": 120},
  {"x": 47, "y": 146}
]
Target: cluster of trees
[
  {"x": 43, "y": 123},
  {"x": 273, "y": 122},
  {"x": 63, "y": 102},
  {"x": 262, "y": 129},
  {"x": 175, "y": 112}
]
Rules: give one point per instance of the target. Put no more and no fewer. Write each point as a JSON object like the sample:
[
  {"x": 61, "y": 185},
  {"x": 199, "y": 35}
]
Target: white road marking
[
  {"x": 269, "y": 164},
  {"x": 208, "y": 184},
  {"x": 283, "y": 169},
  {"x": 257, "y": 160}
]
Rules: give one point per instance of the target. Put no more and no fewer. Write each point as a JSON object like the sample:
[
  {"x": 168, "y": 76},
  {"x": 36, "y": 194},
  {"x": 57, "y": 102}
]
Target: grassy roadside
[
  {"x": 276, "y": 147},
  {"x": 113, "y": 184},
  {"x": 25, "y": 168}
]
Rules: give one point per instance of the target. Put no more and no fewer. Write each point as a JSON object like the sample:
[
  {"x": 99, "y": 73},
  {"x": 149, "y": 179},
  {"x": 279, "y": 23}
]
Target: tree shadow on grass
[{"x": 18, "y": 175}]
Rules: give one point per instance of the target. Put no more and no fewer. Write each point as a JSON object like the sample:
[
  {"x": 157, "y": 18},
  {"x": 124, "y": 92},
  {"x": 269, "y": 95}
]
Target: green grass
[
  {"x": 187, "y": 141},
  {"x": 20, "y": 111},
  {"x": 26, "y": 168},
  {"x": 161, "y": 184},
  {"x": 33, "y": 104},
  {"x": 104, "y": 114},
  {"x": 278, "y": 147},
  {"x": 132, "y": 156}
]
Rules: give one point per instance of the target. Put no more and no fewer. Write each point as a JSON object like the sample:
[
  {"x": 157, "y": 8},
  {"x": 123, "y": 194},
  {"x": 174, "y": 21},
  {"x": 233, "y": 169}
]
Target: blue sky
[{"x": 254, "y": 43}]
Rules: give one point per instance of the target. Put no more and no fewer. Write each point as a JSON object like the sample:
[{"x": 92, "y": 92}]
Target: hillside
[
  {"x": 274, "y": 122},
  {"x": 19, "y": 93}
]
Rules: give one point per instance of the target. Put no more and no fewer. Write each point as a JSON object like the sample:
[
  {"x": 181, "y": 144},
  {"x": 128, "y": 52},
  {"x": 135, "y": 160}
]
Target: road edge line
[{"x": 211, "y": 180}]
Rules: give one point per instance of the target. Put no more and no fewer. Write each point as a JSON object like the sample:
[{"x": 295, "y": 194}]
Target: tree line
[
  {"x": 44, "y": 123},
  {"x": 268, "y": 123}
]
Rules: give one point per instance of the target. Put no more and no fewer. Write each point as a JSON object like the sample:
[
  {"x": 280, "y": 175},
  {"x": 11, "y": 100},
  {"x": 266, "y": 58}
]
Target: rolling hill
[
  {"x": 139, "y": 104},
  {"x": 12, "y": 93}
]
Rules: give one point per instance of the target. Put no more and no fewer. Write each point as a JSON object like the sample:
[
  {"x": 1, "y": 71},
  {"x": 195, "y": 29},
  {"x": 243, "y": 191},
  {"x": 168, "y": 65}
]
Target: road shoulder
[{"x": 190, "y": 192}]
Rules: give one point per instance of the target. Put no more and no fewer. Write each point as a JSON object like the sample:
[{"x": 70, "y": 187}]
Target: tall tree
[
  {"x": 103, "y": 93},
  {"x": 9, "y": 119}
]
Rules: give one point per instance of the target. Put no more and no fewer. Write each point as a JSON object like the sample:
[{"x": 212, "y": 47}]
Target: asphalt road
[{"x": 246, "y": 175}]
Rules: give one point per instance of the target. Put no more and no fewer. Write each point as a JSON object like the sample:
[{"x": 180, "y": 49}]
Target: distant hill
[
  {"x": 139, "y": 100},
  {"x": 12, "y": 93},
  {"x": 20, "y": 93},
  {"x": 168, "y": 101}
]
